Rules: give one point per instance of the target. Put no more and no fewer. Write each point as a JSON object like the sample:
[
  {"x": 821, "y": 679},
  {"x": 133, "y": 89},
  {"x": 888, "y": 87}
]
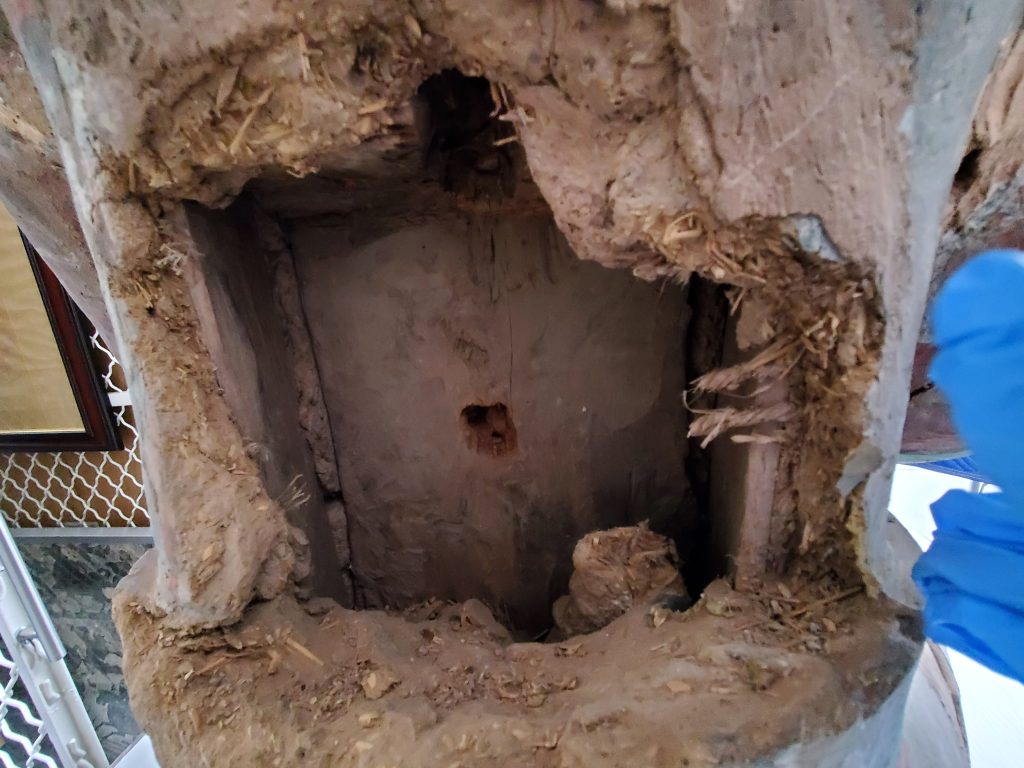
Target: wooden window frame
[{"x": 70, "y": 331}]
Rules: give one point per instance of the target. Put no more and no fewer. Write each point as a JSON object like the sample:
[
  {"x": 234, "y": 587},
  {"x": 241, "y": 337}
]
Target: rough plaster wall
[
  {"x": 35, "y": 190},
  {"x": 797, "y": 122},
  {"x": 213, "y": 553},
  {"x": 415, "y": 325},
  {"x": 240, "y": 321}
]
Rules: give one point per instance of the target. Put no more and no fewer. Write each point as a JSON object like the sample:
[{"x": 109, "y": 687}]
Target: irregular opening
[
  {"x": 438, "y": 300},
  {"x": 967, "y": 171},
  {"x": 466, "y": 147},
  {"x": 489, "y": 429}
]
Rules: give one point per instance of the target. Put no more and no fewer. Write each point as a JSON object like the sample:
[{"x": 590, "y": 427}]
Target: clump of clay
[{"x": 614, "y": 570}]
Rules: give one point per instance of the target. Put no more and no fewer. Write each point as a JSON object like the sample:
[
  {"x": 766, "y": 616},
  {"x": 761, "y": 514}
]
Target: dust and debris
[
  {"x": 377, "y": 682},
  {"x": 685, "y": 680}
]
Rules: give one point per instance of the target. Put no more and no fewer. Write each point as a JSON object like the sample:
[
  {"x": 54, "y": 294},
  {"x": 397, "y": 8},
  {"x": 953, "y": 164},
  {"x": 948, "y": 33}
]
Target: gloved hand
[{"x": 972, "y": 576}]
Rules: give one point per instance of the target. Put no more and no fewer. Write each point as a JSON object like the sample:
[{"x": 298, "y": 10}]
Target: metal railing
[
  {"x": 54, "y": 709},
  {"x": 25, "y": 739}
]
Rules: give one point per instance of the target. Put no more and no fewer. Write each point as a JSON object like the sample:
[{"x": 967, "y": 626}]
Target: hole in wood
[{"x": 489, "y": 429}]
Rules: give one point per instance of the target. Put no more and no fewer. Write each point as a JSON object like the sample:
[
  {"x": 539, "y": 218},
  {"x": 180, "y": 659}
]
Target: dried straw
[{"x": 714, "y": 423}]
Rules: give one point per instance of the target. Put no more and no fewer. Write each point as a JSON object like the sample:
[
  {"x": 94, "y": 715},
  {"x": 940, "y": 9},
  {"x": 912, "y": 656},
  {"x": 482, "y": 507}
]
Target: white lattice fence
[
  {"x": 74, "y": 489},
  {"x": 25, "y": 742}
]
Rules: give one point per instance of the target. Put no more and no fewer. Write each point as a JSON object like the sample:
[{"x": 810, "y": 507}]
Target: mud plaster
[
  {"x": 189, "y": 103},
  {"x": 442, "y": 685}
]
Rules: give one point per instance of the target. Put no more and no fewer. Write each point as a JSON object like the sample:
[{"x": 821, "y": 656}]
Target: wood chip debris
[
  {"x": 806, "y": 608},
  {"x": 211, "y": 666},
  {"x": 374, "y": 106},
  {"x": 225, "y": 86},
  {"x": 275, "y": 661},
  {"x": 302, "y": 650},
  {"x": 369, "y": 719},
  {"x": 757, "y": 438},
  {"x": 378, "y": 682},
  {"x": 548, "y": 740},
  {"x": 412, "y": 26},
  {"x": 570, "y": 649},
  {"x": 658, "y": 615},
  {"x": 239, "y": 139}
]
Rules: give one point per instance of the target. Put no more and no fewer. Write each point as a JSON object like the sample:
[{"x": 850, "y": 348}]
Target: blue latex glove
[{"x": 972, "y": 576}]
